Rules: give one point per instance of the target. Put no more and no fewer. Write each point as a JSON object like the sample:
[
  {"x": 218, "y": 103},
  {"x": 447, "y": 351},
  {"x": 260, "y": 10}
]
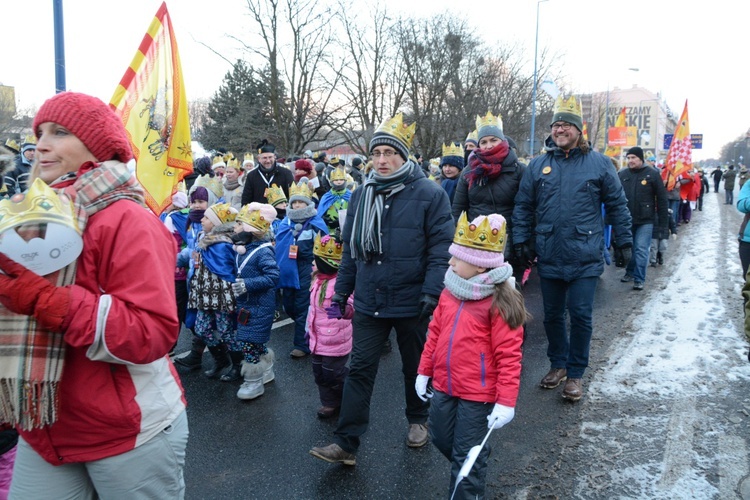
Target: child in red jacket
[{"x": 473, "y": 349}]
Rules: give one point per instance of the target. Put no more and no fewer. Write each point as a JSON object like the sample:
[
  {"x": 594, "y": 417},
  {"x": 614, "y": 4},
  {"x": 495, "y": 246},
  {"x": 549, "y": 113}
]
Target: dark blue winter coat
[
  {"x": 564, "y": 192},
  {"x": 261, "y": 275},
  {"x": 417, "y": 229}
]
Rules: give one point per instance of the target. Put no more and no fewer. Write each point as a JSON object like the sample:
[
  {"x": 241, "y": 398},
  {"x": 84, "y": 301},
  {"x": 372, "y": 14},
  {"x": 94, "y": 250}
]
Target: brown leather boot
[
  {"x": 554, "y": 378},
  {"x": 573, "y": 390}
]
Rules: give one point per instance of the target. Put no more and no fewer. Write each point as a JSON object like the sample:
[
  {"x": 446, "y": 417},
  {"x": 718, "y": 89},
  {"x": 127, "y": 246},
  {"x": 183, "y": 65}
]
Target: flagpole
[{"x": 57, "y": 9}]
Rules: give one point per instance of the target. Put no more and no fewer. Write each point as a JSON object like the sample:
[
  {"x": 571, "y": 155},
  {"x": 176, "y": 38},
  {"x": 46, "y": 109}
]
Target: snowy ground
[{"x": 667, "y": 415}]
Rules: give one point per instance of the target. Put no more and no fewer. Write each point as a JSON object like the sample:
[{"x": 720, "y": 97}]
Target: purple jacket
[{"x": 328, "y": 337}]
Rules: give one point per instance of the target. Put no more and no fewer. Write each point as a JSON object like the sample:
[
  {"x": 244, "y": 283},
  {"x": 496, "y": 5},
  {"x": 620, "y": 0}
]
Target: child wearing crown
[
  {"x": 255, "y": 292},
  {"x": 473, "y": 349},
  {"x": 329, "y": 328},
  {"x": 335, "y": 201},
  {"x": 294, "y": 255},
  {"x": 211, "y": 291}
]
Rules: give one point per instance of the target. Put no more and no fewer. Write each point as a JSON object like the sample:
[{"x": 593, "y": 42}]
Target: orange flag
[
  {"x": 680, "y": 155},
  {"x": 617, "y": 135},
  {"x": 151, "y": 102},
  {"x": 585, "y": 131}
]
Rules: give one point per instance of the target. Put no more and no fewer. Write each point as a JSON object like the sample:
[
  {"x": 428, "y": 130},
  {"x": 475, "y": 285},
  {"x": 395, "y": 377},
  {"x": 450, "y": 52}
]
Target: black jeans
[{"x": 369, "y": 336}]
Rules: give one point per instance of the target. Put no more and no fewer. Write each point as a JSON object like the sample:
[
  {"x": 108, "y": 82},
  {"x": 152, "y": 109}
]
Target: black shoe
[
  {"x": 626, "y": 278},
  {"x": 659, "y": 259},
  {"x": 192, "y": 361},
  {"x": 235, "y": 372},
  {"x": 221, "y": 361}
]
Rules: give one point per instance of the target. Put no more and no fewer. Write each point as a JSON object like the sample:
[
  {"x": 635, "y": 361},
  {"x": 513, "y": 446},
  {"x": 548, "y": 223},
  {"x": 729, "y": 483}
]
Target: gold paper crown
[
  {"x": 213, "y": 184},
  {"x": 181, "y": 187},
  {"x": 218, "y": 161},
  {"x": 435, "y": 162},
  {"x": 39, "y": 204},
  {"x": 481, "y": 237},
  {"x": 249, "y": 157},
  {"x": 453, "y": 149},
  {"x": 570, "y": 105},
  {"x": 473, "y": 136},
  {"x": 224, "y": 212},
  {"x": 332, "y": 249},
  {"x": 397, "y": 128},
  {"x": 233, "y": 162},
  {"x": 334, "y": 160},
  {"x": 228, "y": 156},
  {"x": 489, "y": 120},
  {"x": 275, "y": 195},
  {"x": 301, "y": 189},
  {"x": 253, "y": 218},
  {"x": 12, "y": 144},
  {"x": 337, "y": 174},
  {"x": 30, "y": 139}
]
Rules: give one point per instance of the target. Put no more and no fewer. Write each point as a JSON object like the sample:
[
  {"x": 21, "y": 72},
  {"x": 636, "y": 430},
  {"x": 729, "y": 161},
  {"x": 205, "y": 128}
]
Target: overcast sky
[{"x": 682, "y": 51}]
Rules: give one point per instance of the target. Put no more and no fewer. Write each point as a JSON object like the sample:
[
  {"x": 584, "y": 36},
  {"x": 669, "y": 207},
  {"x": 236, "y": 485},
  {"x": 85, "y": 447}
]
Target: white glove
[
  {"x": 421, "y": 387},
  {"x": 500, "y": 416},
  {"x": 238, "y": 287}
]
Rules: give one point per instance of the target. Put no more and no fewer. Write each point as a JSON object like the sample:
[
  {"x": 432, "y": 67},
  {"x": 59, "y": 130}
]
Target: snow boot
[
  {"x": 194, "y": 358},
  {"x": 268, "y": 374},
  {"x": 221, "y": 361},
  {"x": 252, "y": 387},
  {"x": 234, "y": 373}
]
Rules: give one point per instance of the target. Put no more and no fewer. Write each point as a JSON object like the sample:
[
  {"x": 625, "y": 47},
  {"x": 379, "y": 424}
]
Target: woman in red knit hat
[{"x": 108, "y": 419}]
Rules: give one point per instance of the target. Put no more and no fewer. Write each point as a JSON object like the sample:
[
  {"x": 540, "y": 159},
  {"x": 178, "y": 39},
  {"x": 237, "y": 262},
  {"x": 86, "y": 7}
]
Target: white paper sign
[{"x": 42, "y": 247}]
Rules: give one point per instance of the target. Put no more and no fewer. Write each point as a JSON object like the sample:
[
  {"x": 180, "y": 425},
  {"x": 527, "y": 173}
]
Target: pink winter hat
[{"x": 480, "y": 243}]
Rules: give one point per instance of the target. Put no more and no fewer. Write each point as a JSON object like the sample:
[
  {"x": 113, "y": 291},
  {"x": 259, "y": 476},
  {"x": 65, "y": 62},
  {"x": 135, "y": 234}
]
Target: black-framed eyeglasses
[
  {"x": 561, "y": 126},
  {"x": 378, "y": 154}
]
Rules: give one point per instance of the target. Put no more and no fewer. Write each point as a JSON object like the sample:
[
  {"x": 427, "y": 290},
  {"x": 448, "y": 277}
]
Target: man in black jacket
[
  {"x": 647, "y": 203},
  {"x": 396, "y": 236},
  {"x": 268, "y": 172}
]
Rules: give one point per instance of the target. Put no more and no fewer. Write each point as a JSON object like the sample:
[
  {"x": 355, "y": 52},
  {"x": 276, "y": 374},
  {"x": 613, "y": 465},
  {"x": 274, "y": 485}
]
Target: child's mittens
[
  {"x": 500, "y": 416},
  {"x": 238, "y": 287},
  {"x": 420, "y": 386},
  {"x": 334, "y": 312}
]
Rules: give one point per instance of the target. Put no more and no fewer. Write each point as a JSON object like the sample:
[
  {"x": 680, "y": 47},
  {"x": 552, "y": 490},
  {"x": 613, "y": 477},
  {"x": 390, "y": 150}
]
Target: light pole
[{"x": 533, "y": 92}]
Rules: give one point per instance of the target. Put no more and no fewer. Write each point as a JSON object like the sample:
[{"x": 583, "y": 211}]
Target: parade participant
[
  {"x": 268, "y": 172},
  {"x": 255, "y": 292},
  {"x": 232, "y": 186},
  {"x": 329, "y": 329},
  {"x": 470, "y": 144},
  {"x": 334, "y": 201},
  {"x": 480, "y": 316},
  {"x": 647, "y": 204},
  {"x": 560, "y": 202},
  {"x": 688, "y": 195},
  {"x": 451, "y": 164},
  {"x": 743, "y": 205},
  {"x": 396, "y": 238},
  {"x": 716, "y": 176},
  {"x": 175, "y": 219},
  {"x": 277, "y": 199},
  {"x": 294, "y": 255},
  {"x": 211, "y": 292},
  {"x": 112, "y": 320},
  {"x": 218, "y": 165},
  {"x": 729, "y": 177},
  {"x": 17, "y": 180},
  {"x": 490, "y": 183}
]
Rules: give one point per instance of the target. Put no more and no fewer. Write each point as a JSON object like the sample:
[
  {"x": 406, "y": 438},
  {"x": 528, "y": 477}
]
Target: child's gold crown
[
  {"x": 253, "y": 218},
  {"x": 224, "y": 212},
  {"x": 397, "y": 128},
  {"x": 275, "y": 195},
  {"x": 331, "y": 249},
  {"x": 300, "y": 189},
  {"x": 337, "y": 174},
  {"x": 481, "y": 237}
]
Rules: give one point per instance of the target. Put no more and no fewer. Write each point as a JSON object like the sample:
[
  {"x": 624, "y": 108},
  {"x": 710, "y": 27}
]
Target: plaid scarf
[
  {"x": 365, "y": 240},
  {"x": 485, "y": 165},
  {"x": 31, "y": 359}
]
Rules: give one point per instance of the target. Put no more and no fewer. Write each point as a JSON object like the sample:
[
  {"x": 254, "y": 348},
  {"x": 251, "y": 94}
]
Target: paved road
[{"x": 259, "y": 449}]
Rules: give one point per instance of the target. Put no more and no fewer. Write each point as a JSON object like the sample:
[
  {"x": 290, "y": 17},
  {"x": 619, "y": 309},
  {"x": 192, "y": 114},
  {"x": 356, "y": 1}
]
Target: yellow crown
[
  {"x": 275, "y": 195},
  {"x": 233, "y": 162},
  {"x": 253, "y": 218},
  {"x": 224, "y": 212},
  {"x": 39, "y": 204},
  {"x": 30, "y": 139},
  {"x": 12, "y": 144},
  {"x": 337, "y": 174},
  {"x": 489, "y": 120},
  {"x": 453, "y": 149},
  {"x": 397, "y": 128},
  {"x": 481, "y": 237},
  {"x": 570, "y": 105},
  {"x": 181, "y": 187},
  {"x": 332, "y": 249},
  {"x": 473, "y": 136},
  {"x": 228, "y": 156},
  {"x": 213, "y": 184},
  {"x": 218, "y": 161},
  {"x": 301, "y": 189},
  {"x": 435, "y": 162},
  {"x": 249, "y": 158}
]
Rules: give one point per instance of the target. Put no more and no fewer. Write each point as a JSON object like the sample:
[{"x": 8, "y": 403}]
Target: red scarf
[{"x": 486, "y": 164}]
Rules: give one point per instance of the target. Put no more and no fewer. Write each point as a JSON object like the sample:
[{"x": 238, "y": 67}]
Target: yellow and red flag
[
  {"x": 617, "y": 136},
  {"x": 585, "y": 131},
  {"x": 680, "y": 155},
  {"x": 151, "y": 102}
]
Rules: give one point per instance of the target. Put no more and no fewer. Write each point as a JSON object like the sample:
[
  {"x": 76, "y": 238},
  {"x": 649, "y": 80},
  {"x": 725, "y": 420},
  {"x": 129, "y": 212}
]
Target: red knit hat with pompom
[{"x": 91, "y": 121}]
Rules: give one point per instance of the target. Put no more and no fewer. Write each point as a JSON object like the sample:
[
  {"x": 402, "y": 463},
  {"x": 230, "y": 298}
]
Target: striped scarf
[
  {"x": 31, "y": 359},
  {"x": 365, "y": 240}
]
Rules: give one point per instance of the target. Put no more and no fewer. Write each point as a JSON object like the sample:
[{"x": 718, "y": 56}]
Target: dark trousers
[
  {"x": 181, "y": 291},
  {"x": 716, "y": 185},
  {"x": 296, "y": 304},
  {"x": 744, "y": 257},
  {"x": 729, "y": 196},
  {"x": 686, "y": 212},
  {"x": 369, "y": 336},
  {"x": 330, "y": 373},
  {"x": 577, "y": 298},
  {"x": 457, "y": 425}
]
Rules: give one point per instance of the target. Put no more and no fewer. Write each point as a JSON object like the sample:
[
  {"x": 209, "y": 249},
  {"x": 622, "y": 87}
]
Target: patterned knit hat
[
  {"x": 480, "y": 243},
  {"x": 91, "y": 121}
]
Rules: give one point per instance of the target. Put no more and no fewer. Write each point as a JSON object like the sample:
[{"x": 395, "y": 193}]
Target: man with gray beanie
[{"x": 396, "y": 236}]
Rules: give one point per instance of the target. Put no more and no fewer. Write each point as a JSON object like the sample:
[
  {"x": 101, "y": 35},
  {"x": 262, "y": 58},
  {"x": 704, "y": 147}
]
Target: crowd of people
[{"x": 349, "y": 250}]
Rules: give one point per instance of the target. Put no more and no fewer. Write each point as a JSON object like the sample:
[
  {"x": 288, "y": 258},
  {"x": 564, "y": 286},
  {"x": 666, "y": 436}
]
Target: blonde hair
[{"x": 508, "y": 303}]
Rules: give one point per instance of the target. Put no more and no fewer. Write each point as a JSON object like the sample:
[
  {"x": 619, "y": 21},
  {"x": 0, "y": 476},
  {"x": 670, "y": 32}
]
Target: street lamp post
[{"x": 533, "y": 92}]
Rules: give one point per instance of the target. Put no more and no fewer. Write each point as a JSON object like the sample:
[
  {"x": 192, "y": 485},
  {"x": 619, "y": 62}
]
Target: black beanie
[
  {"x": 637, "y": 152},
  {"x": 356, "y": 162}
]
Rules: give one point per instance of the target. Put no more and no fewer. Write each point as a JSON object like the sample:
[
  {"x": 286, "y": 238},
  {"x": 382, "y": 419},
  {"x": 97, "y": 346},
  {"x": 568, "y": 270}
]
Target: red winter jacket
[{"x": 472, "y": 353}]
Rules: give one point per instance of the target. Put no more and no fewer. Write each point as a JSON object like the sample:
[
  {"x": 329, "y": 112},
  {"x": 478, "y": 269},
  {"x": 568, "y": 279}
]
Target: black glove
[
  {"x": 427, "y": 304},
  {"x": 340, "y": 301},
  {"x": 627, "y": 253},
  {"x": 524, "y": 253}
]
